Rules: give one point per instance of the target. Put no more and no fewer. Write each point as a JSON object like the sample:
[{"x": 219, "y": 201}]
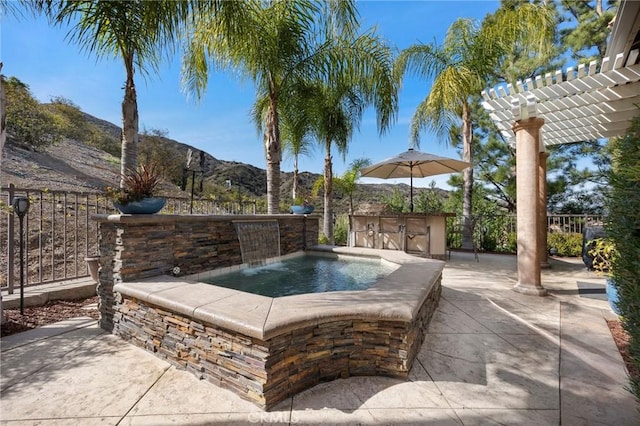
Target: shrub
[
  {"x": 492, "y": 233},
  {"x": 511, "y": 245},
  {"x": 603, "y": 252},
  {"x": 395, "y": 203},
  {"x": 566, "y": 243},
  {"x": 29, "y": 124},
  {"x": 623, "y": 228},
  {"x": 341, "y": 230},
  {"x": 322, "y": 239}
]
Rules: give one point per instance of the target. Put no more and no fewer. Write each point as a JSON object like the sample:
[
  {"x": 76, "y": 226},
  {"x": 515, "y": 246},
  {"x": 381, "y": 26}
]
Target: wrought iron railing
[
  {"x": 497, "y": 233},
  {"x": 59, "y": 232},
  {"x": 58, "y": 235}
]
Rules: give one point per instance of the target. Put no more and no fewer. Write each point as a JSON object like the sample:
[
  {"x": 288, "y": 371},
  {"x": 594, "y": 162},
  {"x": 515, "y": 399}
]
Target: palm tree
[
  {"x": 7, "y": 7},
  {"x": 281, "y": 46},
  {"x": 295, "y": 131},
  {"x": 461, "y": 67},
  {"x": 361, "y": 75},
  {"x": 347, "y": 183},
  {"x": 295, "y": 142},
  {"x": 339, "y": 110},
  {"x": 138, "y": 32},
  {"x": 3, "y": 113}
]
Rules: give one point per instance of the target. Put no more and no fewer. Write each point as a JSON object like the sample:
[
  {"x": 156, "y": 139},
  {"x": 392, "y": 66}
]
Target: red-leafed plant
[{"x": 138, "y": 184}]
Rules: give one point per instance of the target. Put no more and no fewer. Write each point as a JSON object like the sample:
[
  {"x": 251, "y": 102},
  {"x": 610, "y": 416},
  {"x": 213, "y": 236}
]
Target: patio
[{"x": 491, "y": 356}]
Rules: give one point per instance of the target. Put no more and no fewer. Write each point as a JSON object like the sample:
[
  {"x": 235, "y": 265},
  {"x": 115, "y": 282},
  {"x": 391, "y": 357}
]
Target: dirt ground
[
  {"x": 55, "y": 311},
  {"x": 621, "y": 337}
]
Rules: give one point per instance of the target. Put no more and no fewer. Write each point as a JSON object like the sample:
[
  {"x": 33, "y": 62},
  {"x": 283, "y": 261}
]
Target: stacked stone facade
[
  {"x": 261, "y": 370},
  {"x": 143, "y": 246},
  {"x": 267, "y": 371}
]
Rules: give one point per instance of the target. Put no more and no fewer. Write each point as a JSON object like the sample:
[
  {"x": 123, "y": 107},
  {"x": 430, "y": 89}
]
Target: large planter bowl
[
  {"x": 612, "y": 296},
  {"x": 93, "y": 264},
  {"x": 149, "y": 205},
  {"x": 301, "y": 209}
]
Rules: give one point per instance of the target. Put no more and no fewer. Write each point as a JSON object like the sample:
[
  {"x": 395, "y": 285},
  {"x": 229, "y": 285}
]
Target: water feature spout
[{"x": 259, "y": 240}]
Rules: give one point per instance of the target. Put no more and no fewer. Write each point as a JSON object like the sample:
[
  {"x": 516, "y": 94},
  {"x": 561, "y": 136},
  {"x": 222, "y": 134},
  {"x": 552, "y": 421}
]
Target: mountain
[{"x": 73, "y": 165}]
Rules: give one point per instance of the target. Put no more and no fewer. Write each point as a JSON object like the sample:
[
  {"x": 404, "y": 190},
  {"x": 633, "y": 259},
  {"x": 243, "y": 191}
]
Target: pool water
[{"x": 306, "y": 274}]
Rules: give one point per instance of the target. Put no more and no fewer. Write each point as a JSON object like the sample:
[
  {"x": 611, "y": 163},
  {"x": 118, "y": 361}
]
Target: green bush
[
  {"x": 493, "y": 234},
  {"x": 489, "y": 238},
  {"x": 396, "y": 202},
  {"x": 623, "y": 228},
  {"x": 567, "y": 244},
  {"x": 341, "y": 230},
  {"x": 603, "y": 251},
  {"x": 322, "y": 239},
  {"x": 511, "y": 243},
  {"x": 29, "y": 123}
]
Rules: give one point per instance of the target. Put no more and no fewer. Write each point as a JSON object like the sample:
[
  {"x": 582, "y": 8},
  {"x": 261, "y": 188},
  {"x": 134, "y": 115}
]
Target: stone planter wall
[
  {"x": 133, "y": 247},
  {"x": 266, "y": 372},
  {"x": 273, "y": 353}
]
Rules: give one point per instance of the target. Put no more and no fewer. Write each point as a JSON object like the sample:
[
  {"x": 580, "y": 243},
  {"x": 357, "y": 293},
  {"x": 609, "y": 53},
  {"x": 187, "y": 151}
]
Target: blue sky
[{"x": 220, "y": 123}]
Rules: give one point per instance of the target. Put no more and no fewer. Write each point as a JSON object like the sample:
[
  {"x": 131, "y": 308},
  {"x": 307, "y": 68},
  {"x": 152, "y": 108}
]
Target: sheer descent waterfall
[{"x": 259, "y": 240}]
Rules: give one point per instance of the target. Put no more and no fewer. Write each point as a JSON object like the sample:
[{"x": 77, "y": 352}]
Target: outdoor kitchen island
[{"x": 416, "y": 233}]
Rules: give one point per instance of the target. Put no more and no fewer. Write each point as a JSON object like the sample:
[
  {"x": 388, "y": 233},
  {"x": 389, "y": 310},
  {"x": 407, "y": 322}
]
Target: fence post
[{"x": 10, "y": 242}]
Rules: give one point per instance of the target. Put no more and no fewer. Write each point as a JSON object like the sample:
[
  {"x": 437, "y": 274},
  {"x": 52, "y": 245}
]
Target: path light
[
  {"x": 21, "y": 207},
  {"x": 185, "y": 174}
]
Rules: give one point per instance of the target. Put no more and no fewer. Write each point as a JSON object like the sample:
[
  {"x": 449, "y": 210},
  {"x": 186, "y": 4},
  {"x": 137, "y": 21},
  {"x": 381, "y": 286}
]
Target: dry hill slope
[{"x": 74, "y": 166}]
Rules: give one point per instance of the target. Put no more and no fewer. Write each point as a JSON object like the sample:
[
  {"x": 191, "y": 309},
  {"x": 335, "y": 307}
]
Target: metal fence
[
  {"x": 209, "y": 206},
  {"x": 572, "y": 223},
  {"x": 59, "y": 232},
  {"x": 497, "y": 233}
]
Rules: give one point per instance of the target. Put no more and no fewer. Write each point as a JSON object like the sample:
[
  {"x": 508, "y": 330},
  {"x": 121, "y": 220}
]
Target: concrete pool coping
[{"x": 397, "y": 297}]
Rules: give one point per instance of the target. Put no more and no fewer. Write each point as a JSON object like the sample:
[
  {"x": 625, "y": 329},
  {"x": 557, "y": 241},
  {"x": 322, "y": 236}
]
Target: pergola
[{"x": 592, "y": 102}]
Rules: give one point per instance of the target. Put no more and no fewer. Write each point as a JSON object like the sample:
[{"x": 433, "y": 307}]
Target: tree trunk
[
  {"x": 3, "y": 112},
  {"x": 129, "y": 139},
  {"x": 467, "y": 178},
  {"x": 294, "y": 191},
  {"x": 3, "y": 136},
  {"x": 272, "y": 150},
  {"x": 328, "y": 189}
]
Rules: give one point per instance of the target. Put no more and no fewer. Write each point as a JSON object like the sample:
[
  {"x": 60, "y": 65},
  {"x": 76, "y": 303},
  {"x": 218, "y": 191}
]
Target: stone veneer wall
[
  {"x": 266, "y": 372},
  {"x": 141, "y": 246}
]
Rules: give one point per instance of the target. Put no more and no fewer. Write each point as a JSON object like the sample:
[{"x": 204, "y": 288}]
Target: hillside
[{"x": 72, "y": 165}]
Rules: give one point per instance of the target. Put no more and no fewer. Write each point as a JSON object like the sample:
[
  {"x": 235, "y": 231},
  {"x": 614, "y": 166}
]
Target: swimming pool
[{"x": 306, "y": 274}]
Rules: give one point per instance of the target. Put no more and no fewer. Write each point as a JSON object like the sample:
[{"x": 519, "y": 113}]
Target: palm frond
[
  {"x": 147, "y": 31},
  {"x": 421, "y": 60}
]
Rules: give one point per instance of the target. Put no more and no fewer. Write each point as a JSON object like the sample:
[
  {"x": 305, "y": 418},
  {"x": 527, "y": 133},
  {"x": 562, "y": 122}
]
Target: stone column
[
  {"x": 108, "y": 238},
  {"x": 542, "y": 210},
  {"x": 527, "y": 162}
]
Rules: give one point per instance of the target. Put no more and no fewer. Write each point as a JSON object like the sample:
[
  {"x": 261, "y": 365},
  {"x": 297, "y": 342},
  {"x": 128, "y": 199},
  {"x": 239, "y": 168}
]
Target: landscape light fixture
[
  {"x": 185, "y": 174},
  {"x": 21, "y": 207}
]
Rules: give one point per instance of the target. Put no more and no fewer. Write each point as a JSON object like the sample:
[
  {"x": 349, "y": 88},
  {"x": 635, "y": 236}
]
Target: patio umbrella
[{"x": 412, "y": 164}]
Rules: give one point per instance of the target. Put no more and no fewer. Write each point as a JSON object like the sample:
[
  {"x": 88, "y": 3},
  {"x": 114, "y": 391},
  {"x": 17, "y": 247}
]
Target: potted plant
[
  {"x": 301, "y": 205},
  {"x": 603, "y": 251},
  {"x": 93, "y": 264},
  {"x": 137, "y": 194}
]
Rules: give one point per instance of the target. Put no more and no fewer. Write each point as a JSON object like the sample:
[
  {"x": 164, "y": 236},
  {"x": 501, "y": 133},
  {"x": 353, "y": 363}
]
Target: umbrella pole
[{"x": 411, "y": 189}]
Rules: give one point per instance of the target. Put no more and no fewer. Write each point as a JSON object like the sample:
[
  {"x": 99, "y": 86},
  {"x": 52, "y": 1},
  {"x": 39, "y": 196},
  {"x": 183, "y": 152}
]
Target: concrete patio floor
[{"x": 491, "y": 356}]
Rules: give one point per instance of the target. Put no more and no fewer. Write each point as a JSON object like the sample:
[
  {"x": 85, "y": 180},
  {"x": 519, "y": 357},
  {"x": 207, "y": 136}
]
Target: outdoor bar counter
[{"x": 416, "y": 233}]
